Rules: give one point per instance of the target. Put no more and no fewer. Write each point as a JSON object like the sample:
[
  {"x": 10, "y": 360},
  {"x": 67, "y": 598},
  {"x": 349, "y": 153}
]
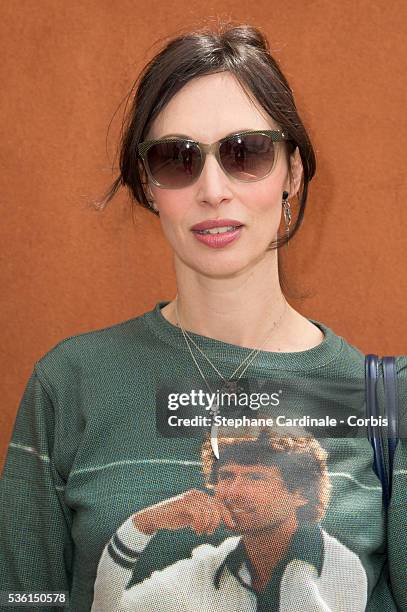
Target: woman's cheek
[{"x": 175, "y": 231}]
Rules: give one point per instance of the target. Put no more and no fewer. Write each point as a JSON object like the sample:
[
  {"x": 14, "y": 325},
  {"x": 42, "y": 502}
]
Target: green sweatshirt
[{"x": 86, "y": 453}]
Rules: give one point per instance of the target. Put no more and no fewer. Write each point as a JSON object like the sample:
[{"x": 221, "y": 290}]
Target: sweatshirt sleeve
[
  {"x": 35, "y": 537},
  {"x": 397, "y": 517}
]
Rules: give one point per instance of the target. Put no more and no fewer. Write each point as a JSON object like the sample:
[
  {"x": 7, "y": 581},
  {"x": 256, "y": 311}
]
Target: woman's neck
[{"x": 242, "y": 310}]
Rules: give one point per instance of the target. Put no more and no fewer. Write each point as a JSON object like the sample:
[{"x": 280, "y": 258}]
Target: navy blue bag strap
[
  {"x": 390, "y": 391},
  {"x": 372, "y": 410}
]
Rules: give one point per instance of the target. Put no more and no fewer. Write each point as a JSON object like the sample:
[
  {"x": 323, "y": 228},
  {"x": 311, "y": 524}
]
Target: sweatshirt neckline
[{"x": 315, "y": 357}]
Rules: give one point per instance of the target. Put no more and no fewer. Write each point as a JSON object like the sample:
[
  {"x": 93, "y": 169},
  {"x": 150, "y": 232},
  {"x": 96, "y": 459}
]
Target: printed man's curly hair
[{"x": 301, "y": 460}]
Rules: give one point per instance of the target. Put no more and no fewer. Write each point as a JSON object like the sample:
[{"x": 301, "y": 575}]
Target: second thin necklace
[{"x": 230, "y": 384}]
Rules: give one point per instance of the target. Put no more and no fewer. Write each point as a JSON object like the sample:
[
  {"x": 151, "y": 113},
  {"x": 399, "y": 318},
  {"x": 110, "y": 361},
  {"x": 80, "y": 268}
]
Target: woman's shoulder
[
  {"x": 351, "y": 353},
  {"x": 94, "y": 346}
]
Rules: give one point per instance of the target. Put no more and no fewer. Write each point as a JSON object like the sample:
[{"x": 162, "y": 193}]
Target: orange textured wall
[{"x": 66, "y": 269}]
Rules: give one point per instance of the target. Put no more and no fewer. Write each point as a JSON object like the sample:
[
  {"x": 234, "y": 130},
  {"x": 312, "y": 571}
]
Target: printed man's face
[{"x": 256, "y": 496}]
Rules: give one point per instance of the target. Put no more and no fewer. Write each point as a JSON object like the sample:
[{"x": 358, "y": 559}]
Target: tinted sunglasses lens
[
  {"x": 175, "y": 163},
  {"x": 248, "y": 157}
]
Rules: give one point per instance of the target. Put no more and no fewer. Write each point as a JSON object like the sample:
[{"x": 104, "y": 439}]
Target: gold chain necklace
[{"x": 231, "y": 385}]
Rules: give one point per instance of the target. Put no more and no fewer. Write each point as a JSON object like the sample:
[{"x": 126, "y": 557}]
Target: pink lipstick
[{"x": 217, "y": 233}]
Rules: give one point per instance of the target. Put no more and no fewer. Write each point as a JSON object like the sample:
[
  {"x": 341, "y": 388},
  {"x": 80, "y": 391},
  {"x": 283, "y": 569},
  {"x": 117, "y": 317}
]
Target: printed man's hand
[{"x": 194, "y": 508}]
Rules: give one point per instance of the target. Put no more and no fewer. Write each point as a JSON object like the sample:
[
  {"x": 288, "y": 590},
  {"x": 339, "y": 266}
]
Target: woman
[{"x": 214, "y": 146}]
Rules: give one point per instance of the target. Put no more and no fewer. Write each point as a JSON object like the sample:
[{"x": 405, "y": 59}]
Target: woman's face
[{"x": 207, "y": 109}]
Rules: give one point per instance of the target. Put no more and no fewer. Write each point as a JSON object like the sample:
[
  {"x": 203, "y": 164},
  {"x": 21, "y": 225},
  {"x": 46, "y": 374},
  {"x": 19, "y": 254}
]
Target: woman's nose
[{"x": 213, "y": 183}]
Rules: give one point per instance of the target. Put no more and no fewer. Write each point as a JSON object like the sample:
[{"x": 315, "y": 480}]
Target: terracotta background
[{"x": 65, "y": 67}]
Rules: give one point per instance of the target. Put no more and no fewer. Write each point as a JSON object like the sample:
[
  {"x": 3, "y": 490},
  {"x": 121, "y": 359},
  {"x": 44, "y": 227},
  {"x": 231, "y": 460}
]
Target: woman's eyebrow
[
  {"x": 239, "y": 131},
  {"x": 176, "y": 135}
]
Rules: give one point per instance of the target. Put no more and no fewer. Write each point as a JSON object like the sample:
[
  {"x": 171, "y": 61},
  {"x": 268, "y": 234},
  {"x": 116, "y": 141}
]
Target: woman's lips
[{"x": 217, "y": 241}]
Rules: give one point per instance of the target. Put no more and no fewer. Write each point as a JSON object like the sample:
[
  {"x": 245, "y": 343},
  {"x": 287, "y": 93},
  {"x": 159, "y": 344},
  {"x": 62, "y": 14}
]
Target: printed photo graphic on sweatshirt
[{"x": 254, "y": 537}]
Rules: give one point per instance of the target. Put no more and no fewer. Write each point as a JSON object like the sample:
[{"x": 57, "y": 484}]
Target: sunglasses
[{"x": 176, "y": 162}]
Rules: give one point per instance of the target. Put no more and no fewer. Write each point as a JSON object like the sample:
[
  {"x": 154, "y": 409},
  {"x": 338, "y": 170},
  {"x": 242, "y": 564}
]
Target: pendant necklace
[{"x": 231, "y": 385}]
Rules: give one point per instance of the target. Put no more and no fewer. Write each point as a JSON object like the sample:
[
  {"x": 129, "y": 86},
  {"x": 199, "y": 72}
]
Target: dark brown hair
[
  {"x": 242, "y": 50},
  {"x": 301, "y": 460}
]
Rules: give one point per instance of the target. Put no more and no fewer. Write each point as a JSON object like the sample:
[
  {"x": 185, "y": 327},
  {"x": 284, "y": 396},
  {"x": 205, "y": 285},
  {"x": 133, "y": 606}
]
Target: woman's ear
[{"x": 296, "y": 172}]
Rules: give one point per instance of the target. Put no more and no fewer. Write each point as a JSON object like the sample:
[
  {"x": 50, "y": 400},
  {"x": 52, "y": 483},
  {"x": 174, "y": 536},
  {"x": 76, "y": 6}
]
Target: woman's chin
[
  {"x": 223, "y": 264},
  {"x": 223, "y": 267}
]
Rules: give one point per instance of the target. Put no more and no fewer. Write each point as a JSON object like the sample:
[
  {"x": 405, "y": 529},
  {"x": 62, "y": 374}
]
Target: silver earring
[{"x": 287, "y": 214}]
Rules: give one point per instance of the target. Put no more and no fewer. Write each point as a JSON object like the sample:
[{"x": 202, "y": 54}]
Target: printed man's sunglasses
[{"x": 176, "y": 162}]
